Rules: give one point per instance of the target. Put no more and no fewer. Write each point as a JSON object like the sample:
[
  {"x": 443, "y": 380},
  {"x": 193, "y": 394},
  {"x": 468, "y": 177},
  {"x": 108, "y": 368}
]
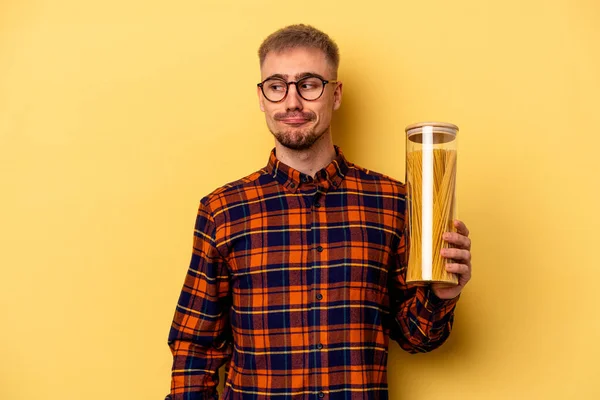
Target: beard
[{"x": 296, "y": 138}]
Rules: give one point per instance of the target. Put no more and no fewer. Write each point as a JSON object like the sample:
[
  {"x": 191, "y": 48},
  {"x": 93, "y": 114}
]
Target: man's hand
[{"x": 459, "y": 261}]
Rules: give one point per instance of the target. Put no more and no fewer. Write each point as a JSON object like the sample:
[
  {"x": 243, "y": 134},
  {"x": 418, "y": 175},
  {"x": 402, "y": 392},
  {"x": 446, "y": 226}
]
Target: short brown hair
[{"x": 300, "y": 35}]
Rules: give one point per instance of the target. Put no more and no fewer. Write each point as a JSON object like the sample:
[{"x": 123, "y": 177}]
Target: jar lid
[{"x": 443, "y": 132}]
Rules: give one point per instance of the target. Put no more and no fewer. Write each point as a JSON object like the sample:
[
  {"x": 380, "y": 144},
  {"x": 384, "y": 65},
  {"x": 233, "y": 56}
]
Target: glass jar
[{"x": 431, "y": 155}]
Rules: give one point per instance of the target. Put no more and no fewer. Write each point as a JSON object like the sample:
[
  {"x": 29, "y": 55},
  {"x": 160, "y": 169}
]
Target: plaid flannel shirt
[{"x": 297, "y": 283}]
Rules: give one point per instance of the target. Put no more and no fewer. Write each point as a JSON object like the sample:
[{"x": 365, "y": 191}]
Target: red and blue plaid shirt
[{"x": 298, "y": 283}]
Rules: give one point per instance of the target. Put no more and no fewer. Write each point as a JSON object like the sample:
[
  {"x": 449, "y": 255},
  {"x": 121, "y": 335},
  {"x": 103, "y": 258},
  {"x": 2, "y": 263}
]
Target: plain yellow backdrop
[{"x": 116, "y": 117}]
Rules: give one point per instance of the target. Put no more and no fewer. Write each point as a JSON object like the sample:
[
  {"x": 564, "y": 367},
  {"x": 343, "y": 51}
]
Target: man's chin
[
  {"x": 296, "y": 141},
  {"x": 295, "y": 144}
]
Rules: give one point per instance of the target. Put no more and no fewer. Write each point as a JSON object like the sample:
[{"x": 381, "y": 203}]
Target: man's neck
[{"x": 308, "y": 161}]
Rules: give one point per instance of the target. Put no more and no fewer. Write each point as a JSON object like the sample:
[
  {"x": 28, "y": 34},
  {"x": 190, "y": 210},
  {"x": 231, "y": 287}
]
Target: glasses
[{"x": 310, "y": 88}]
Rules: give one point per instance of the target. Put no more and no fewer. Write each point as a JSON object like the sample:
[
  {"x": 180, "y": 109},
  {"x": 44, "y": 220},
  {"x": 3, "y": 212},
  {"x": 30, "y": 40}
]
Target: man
[{"x": 297, "y": 278}]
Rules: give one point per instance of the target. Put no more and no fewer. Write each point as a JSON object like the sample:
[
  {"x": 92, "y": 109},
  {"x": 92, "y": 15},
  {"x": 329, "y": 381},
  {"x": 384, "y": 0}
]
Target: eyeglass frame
[{"x": 295, "y": 83}]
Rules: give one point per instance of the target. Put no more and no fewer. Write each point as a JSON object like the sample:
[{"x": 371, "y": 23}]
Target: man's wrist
[{"x": 435, "y": 300}]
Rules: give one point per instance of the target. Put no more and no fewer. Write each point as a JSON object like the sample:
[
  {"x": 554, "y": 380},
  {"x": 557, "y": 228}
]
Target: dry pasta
[{"x": 444, "y": 180}]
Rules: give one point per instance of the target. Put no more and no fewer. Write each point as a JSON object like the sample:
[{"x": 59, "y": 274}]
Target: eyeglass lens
[{"x": 309, "y": 88}]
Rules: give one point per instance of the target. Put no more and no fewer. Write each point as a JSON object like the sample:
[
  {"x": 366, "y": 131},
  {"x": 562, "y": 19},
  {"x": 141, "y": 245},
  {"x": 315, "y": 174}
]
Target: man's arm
[
  {"x": 200, "y": 336},
  {"x": 421, "y": 321}
]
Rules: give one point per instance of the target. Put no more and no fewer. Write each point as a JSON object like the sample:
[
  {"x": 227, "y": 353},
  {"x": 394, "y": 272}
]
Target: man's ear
[
  {"x": 337, "y": 95},
  {"x": 261, "y": 99}
]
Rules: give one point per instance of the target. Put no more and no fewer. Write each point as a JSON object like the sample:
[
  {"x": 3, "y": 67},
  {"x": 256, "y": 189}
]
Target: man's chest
[{"x": 343, "y": 238}]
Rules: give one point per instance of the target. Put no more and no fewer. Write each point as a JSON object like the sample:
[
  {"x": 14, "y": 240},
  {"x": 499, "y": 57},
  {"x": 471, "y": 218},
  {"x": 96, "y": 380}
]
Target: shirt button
[
  {"x": 304, "y": 178},
  {"x": 292, "y": 185},
  {"x": 319, "y": 296},
  {"x": 319, "y": 346},
  {"x": 317, "y": 205},
  {"x": 321, "y": 395},
  {"x": 320, "y": 249}
]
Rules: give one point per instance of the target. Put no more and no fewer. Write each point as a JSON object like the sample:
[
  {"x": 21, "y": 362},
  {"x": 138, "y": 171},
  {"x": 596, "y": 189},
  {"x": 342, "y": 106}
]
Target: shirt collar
[{"x": 293, "y": 180}]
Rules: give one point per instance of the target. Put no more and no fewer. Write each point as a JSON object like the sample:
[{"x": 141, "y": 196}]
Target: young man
[{"x": 297, "y": 278}]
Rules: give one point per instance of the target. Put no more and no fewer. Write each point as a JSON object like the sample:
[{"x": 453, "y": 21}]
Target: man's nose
[{"x": 293, "y": 101}]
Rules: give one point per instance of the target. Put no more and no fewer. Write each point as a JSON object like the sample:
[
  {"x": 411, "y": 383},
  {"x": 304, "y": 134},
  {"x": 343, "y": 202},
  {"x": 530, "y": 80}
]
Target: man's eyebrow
[
  {"x": 280, "y": 76},
  {"x": 305, "y": 74},
  {"x": 297, "y": 76}
]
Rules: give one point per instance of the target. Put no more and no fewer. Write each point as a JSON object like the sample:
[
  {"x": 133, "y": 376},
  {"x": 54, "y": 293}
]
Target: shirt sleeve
[
  {"x": 200, "y": 336},
  {"x": 421, "y": 321}
]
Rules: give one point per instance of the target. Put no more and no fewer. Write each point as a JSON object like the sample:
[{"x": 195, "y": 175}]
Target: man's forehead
[{"x": 295, "y": 62}]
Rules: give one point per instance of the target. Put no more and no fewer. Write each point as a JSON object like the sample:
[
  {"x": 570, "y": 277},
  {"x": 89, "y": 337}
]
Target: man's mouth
[{"x": 294, "y": 121}]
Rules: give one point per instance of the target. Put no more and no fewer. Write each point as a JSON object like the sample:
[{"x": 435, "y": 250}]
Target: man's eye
[
  {"x": 277, "y": 87},
  {"x": 310, "y": 84}
]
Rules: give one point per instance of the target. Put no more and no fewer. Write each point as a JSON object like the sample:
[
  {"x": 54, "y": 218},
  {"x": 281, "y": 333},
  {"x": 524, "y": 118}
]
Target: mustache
[{"x": 304, "y": 115}]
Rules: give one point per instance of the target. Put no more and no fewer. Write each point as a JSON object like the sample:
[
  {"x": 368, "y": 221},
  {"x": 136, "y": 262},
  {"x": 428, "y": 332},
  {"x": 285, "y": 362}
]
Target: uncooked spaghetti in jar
[{"x": 431, "y": 153}]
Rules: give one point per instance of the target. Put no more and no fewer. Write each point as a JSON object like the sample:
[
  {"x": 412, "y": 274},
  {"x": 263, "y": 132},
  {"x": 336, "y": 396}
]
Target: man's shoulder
[
  {"x": 219, "y": 197},
  {"x": 386, "y": 182}
]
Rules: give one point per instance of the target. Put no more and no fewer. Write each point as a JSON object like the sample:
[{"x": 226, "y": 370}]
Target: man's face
[{"x": 295, "y": 122}]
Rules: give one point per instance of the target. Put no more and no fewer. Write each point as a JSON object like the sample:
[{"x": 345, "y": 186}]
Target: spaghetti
[{"x": 421, "y": 266}]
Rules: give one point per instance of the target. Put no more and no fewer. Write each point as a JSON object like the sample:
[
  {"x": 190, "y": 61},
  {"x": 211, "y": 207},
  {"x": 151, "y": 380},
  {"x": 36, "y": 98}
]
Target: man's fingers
[
  {"x": 461, "y": 227},
  {"x": 460, "y": 269},
  {"x": 458, "y": 240},
  {"x": 457, "y": 254}
]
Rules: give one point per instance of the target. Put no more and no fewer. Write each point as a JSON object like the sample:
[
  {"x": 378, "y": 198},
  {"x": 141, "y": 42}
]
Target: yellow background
[{"x": 116, "y": 117}]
